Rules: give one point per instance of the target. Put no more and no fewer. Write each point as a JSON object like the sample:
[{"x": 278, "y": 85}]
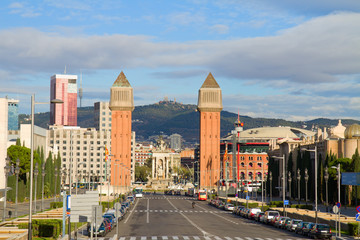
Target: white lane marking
[
  {"x": 164, "y": 237},
  {"x": 191, "y": 222},
  {"x": 248, "y": 238},
  {"x": 175, "y": 237},
  {"x": 238, "y": 238},
  {"x": 186, "y": 237},
  {"x": 196, "y": 238},
  {"x": 131, "y": 212},
  {"x": 147, "y": 214},
  {"x": 221, "y": 216},
  {"x": 133, "y": 238},
  {"x": 207, "y": 238},
  {"x": 143, "y": 238},
  {"x": 122, "y": 238},
  {"x": 219, "y": 238},
  {"x": 153, "y": 237}
]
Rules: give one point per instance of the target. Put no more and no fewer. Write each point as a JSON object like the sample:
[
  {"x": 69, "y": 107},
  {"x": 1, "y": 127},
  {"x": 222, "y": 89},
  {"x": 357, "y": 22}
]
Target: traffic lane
[
  {"x": 221, "y": 223},
  {"x": 155, "y": 220}
]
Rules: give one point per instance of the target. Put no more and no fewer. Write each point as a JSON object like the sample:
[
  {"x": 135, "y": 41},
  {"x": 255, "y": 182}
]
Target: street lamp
[
  {"x": 338, "y": 180},
  {"x": 42, "y": 186},
  {"x": 298, "y": 178},
  {"x": 17, "y": 171},
  {"x": 326, "y": 177},
  {"x": 55, "y": 101},
  {"x": 283, "y": 180},
  {"x": 6, "y": 170},
  {"x": 270, "y": 178},
  {"x": 36, "y": 172},
  {"x": 316, "y": 190},
  {"x": 56, "y": 175},
  {"x": 289, "y": 179},
  {"x": 306, "y": 184}
]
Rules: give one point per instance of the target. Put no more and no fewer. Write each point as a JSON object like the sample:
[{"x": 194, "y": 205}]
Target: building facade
[
  {"x": 209, "y": 106},
  {"x": 13, "y": 114},
  {"x": 63, "y": 87},
  {"x": 3, "y": 139},
  {"x": 175, "y": 142}
]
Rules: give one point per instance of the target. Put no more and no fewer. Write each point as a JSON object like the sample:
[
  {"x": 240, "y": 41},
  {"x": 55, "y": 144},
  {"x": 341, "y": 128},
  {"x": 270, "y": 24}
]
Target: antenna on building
[
  {"x": 80, "y": 90},
  {"x": 65, "y": 70}
]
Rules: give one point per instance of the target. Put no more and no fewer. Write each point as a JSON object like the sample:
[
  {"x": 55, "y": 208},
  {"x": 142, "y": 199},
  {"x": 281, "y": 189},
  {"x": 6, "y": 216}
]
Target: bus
[
  {"x": 138, "y": 192},
  {"x": 202, "y": 195}
]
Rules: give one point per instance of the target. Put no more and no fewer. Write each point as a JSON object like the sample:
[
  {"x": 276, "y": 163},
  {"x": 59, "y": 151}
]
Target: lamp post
[
  {"x": 56, "y": 175},
  {"x": 270, "y": 178},
  {"x": 338, "y": 180},
  {"x": 289, "y": 179},
  {"x": 326, "y": 177},
  {"x": 316, "y": 190},
  {"x": 17, "y": 171},
  {"x": 283, "y": 181},
  {"x": 6, "y": 170},
  {"x": 306, "y": 184},
  {"x": 36, "y": 173},
  {"x": 298, "y": 178},
  {"x": 55, "y": 101},
  {"x": 42, "y": 186}
]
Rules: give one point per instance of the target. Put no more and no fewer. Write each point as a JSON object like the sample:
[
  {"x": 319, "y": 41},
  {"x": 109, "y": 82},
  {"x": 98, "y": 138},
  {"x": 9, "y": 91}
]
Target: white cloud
[{"x": 220, "y": 28}]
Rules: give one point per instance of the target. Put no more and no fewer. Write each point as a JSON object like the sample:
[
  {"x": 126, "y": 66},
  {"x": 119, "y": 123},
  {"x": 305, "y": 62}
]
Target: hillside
[{"x": 167, "y": 117}]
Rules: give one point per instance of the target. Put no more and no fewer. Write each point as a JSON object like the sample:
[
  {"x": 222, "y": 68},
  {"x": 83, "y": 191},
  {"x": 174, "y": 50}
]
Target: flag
[
  {"x": 225, "y": 154},
  {"x": 106, "y": 154}
]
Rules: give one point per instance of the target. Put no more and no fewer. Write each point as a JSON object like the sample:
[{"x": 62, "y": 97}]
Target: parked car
[
  {"x": 300, "y": 227},
  {"x": 286, "y": 223},
  {"x": 252, "y": 212},
  {"x": 320, "y": 231},
  {"x": 306, "y": 230},
  {"x": 229, "y": 207},
  {"x": 269, "y": 215},
  {"x": 258, "y": 215},
  {"x": 280, "y": 221},
  {"x": 112, "y": 219},
  {"x": 293, "y": 224},
  {"x": 104, "y": 228}
]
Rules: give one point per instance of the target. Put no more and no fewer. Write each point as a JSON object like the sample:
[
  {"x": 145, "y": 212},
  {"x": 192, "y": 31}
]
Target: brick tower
[
  {"x": 121, "y": 106},
  {"x": 209, "y": 106}
]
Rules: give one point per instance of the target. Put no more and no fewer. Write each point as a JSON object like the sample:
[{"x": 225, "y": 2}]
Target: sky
[{"x": 288, "y": 59}]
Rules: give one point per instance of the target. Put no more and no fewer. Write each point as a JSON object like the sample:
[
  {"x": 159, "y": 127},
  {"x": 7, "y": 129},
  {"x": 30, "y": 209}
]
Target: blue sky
[{"x": 290, "y": 59}]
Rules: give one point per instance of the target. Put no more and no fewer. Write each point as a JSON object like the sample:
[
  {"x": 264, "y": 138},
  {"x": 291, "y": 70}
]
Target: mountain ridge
[{"x": 168, "y": 117}]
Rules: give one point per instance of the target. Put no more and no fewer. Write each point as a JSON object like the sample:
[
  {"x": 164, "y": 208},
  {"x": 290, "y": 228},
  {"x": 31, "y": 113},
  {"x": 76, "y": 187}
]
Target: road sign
[
  {"x": 286, "y": 202},
  {"x": 81, "y": 206},
  {"x": 350, "y": 178},
  {"x": 247, "y": 197},
  {"x": 335, "y": 209},
  {"x": 358, "y": 208},
  {"x": 357, "y": 217},
  {"x": 338, "y": 204},
  {"x": 68, "y": 202}
]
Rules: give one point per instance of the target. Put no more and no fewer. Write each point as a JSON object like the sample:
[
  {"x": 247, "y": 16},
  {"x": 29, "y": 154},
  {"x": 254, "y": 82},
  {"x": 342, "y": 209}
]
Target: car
[
  {"x": 273, "y": 220},
  {"x": 258, "y": 215},
  {"x": 103, "y": 229},
  {"x": 286, "y": 223},
  {"x": 293, "y": 224},
  {"x": 320, "y": 230},
  {"x": 221, "y": 205},
  {"x": 280, "y": 221},
  {"x": 252, "y": 212},
  {"x": 269, "y": 215},
  {"x": 228, "y": 207},
  {"x": 300, "y": 227},
  {"x": 111, "y": 218},
  {"x": 306, "y": 230}
]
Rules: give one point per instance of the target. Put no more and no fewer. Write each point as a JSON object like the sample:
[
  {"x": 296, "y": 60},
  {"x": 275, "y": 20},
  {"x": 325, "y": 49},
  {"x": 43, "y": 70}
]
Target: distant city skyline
[{"x": 274, "y": 59}]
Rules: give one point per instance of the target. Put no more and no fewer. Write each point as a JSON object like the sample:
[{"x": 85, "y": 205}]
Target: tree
[{"x": 142, "y": 173}]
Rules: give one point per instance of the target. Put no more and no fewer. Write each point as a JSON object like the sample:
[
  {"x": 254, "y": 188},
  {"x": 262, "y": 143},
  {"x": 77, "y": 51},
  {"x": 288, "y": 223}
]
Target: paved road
[{"x": 163, "y": 217}]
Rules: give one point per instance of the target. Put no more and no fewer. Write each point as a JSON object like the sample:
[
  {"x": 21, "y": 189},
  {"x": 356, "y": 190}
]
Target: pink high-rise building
[{"x": 63, "y": 87}]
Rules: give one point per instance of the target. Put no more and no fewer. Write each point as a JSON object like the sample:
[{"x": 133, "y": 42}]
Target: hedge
[
  {"x": 302, "y": 206},
  {"x": 44, "y": 227},
  {"x": 353, "y": 229},
  {"x": 56, "y": 205}
]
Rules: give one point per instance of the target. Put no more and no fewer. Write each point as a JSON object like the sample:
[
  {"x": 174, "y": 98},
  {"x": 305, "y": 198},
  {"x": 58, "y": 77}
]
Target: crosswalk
[
  {"x": 195, "y": 238},
  {"x": 179, "y": 211}
]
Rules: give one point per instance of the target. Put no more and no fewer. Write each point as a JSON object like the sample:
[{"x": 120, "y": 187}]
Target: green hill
[{"x": 166, "y": 117}]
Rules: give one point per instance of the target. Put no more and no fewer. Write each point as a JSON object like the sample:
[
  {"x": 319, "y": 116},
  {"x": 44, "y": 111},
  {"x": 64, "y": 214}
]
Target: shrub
[
  {"x": 56, "y": 205},
  {"x": 253, "y": 205},
  {"x": 44, "y": 227},
  {"x": 353, "y": 229}
]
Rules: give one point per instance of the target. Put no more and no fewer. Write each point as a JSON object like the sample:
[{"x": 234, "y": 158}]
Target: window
[
  {"x": 64, "y": 142},
  {"x": 64, "y": 153}
]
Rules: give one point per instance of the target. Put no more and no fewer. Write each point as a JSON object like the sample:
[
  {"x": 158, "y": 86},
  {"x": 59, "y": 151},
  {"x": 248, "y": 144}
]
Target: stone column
[
  {"x": 153, "y": 168},
  {"x": 167, "y": 168}
]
